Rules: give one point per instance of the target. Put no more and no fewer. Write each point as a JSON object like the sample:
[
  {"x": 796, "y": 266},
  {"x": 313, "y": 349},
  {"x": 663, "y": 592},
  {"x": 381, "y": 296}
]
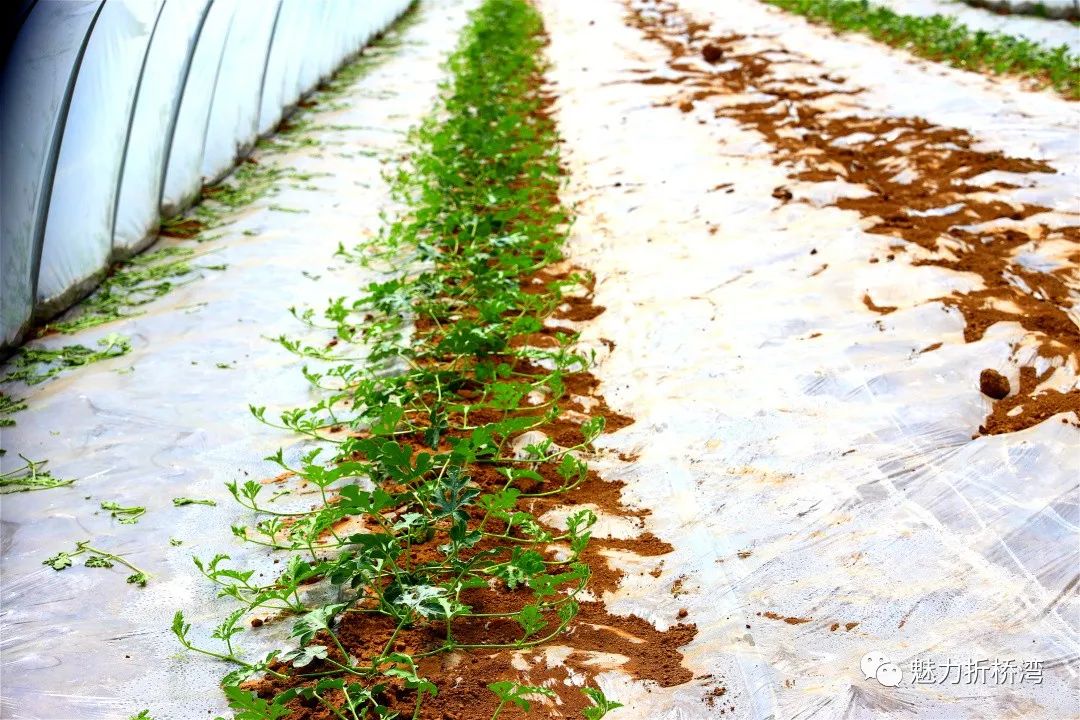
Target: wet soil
[{"x": 922, "y": 189}]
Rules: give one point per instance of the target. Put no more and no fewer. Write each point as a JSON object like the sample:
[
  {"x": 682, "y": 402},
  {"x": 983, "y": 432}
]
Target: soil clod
[
  {"x": 993, "y": 384},
  {"x": 712, "y": 53}
]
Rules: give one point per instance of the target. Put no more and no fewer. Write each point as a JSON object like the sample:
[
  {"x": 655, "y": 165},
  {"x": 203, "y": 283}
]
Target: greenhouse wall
[{"x": 115, "y": 114}]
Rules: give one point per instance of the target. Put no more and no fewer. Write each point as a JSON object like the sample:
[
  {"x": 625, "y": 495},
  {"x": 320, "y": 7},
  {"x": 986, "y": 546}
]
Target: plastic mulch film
[{"x": 817, "y": 466}]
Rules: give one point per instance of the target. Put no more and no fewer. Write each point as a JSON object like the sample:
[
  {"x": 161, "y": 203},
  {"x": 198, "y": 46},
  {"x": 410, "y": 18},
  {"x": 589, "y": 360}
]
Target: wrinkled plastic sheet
[
  {"x": 33, "y": 89},
  {"x": 285, "y": 53},
  {"x": 167, "y": 61},
  {"x": 233, "y": 119},
  {"x": 79, "y": 228},
  {"x": 182, "y": 175},
  {"x": 307, "y": 42},
  {"x": 824, "y": 494},
  {"x": 164, "y": 421}
]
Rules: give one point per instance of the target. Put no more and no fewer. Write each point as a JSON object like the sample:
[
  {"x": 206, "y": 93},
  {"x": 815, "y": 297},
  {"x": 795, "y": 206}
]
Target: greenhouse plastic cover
[
  {"x": 37, "y": 76},
  {"x": 78, "y": 229},
  {"x": 230, "y": 127},
  {"x": 185, "y": 157},
  {"x": 154, "y": 120},
  {"x": 116, "y": 114}
]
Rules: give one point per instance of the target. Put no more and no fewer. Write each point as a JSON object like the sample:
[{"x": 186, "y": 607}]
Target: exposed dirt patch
[
  {"x": 1029, "y": 406},
  {"x": 789, "y": 620},
  {"x": 183, "y": 229},
  {"x": 578, "y": 309},
  {"x": 879, "y": 309},
  {"x": 712, "y": 53},
  {"x": 716, "y": 701}
]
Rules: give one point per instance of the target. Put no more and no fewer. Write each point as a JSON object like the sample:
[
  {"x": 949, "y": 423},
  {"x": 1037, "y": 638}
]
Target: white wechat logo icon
[
  {"x": 876, "y": 665},
  {"x": 889, "y": 675}
]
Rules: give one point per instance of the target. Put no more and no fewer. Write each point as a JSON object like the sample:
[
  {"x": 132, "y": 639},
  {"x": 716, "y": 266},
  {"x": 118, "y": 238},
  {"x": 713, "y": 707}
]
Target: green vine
[
  {"x": 942, "y": 38},
  {"x": 427, "y": 388}
]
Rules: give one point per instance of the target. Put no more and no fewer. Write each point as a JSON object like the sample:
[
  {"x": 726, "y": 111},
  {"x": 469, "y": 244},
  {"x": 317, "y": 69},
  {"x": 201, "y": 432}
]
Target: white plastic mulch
[{"x": 815, "y": 472}]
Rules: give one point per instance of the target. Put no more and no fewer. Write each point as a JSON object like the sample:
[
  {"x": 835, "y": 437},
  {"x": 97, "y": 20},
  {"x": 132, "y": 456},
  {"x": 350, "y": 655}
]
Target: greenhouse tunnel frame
[{"x": 62, "y": 223}]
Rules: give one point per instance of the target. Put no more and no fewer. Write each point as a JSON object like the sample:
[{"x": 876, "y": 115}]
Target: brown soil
[
  {"x": 578, "y": 310},
  {"x": 184, "y": 229},
  {"x": 941, "y": 163},
  {"x": 789, "y": 620},
  {"x": 1029, "y": 406},
  {"x": 993, "y": 384},
  {"x": 712, "y": 699},
  {"x": 712, "y": 53},
  {"x": 462, "y": 676},
  {"x": 879, "y": 309},
  {"x": 782, "y": 193}
]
